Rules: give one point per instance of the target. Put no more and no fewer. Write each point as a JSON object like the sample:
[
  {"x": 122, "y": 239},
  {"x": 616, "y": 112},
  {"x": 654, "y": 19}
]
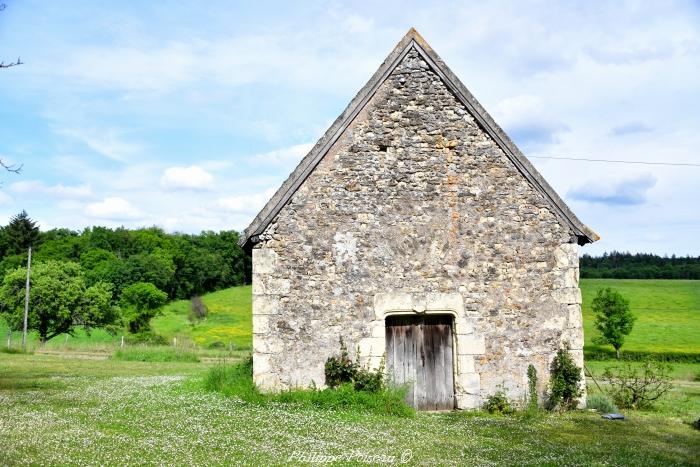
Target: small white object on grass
[{"x": 613, "y": 416}]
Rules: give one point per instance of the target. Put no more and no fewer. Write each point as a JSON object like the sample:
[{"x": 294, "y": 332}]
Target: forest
[
  {"x": 617, "y": 265},
  {"x": 181, "y": 265}
]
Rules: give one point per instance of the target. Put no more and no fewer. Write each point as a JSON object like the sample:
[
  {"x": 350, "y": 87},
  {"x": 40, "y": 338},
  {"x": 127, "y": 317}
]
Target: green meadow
[
  {"x": 667, "y": 311},
  {"x": 152, "y": 405},
  {"x": 668, "y": 320},
  {"x": 228, "y": 323},
  {"x": 66, "y": 411},
  {"x": 227, "y": 327}
]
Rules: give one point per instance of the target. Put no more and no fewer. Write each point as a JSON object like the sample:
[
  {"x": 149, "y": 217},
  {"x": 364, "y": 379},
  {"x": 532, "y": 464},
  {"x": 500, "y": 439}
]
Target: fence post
[
  {"x": 26, "y": 301},
  {"x": 174, "y": 341},
  {"x": 122, "y": 343}
]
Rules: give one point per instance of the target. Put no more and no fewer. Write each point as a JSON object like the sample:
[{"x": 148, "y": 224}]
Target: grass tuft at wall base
[{"x": 237, "y": 381}]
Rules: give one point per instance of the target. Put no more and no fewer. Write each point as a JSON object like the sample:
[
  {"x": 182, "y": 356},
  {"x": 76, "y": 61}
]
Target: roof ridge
[{"x": 412, "y": 39}]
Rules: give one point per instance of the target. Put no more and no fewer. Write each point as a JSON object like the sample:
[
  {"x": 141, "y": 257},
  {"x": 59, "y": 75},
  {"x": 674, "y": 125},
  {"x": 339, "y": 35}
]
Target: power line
[{"x": 675, "y": 164}]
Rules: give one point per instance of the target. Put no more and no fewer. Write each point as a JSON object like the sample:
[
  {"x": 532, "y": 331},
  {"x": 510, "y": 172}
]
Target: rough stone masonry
[{"x": 415, "y": 207}]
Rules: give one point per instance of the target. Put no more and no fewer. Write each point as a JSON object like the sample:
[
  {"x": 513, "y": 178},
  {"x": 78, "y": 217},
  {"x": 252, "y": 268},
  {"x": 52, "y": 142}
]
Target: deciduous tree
[
  {"x": 613, "y": 318},
  {"x": 59, "y": 301},
  {"x": 141, "y": 302}
]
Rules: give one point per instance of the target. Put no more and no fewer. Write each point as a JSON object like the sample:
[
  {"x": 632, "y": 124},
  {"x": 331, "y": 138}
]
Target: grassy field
[
  {"x": 227, "y": 326},
  {"x": 229, "y": 320},
  {"x": 681, "y": 403},
  {"x": 138, "y": 407},
  {"x": 668, "y": 313},
  {"x": 56, "y": 411}
]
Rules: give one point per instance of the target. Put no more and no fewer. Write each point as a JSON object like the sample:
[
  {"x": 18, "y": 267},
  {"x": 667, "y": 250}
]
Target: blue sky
[{"x": 189, "y": 114}]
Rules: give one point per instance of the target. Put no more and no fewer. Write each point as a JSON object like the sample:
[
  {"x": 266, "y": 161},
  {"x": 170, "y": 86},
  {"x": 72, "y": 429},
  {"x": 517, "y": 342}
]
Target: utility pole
[{"x": 26, "y": 301}]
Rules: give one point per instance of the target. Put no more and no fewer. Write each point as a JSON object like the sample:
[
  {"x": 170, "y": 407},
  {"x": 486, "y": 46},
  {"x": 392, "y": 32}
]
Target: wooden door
[{"x": 419, "y": 353}]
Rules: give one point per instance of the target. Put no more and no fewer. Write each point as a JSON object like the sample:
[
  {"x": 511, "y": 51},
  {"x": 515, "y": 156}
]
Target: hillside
[{"x": 229, "y": 320}]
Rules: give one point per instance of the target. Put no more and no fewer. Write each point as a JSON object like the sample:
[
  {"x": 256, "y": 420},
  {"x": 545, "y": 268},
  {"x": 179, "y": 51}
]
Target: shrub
[
  {"x": 155, "y": 354},
  {"x": 368, "y": 380},
  {"x": 594, "y": 352},
  {"x": 601, "y": 403},
  {"x": 635, "y": 387},
  {"x": 532, "y": 387},
  {"x": 198, "y": 310},
  {"x": 341, "y": 369},
  {"x": 147, "y": 338},
  {"x": 565, "y": 382},
  {"x": 14, "y": 350},
  {"x": 498, "y": 403}
]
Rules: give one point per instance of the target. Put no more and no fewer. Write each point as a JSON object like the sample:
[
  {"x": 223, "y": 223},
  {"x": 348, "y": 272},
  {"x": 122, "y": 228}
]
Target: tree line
[
  {"x": 101, "y": 277},
  {"x": 618, "y": 265},
  {"x": 182, "y": 265}
]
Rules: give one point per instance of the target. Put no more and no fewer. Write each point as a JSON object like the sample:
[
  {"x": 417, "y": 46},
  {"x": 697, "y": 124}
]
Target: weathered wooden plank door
[{"x": 419, "y": 352}]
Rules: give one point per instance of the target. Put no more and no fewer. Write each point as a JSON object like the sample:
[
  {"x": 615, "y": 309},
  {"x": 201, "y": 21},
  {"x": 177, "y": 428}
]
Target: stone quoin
[{"x": 415, "y": 203}]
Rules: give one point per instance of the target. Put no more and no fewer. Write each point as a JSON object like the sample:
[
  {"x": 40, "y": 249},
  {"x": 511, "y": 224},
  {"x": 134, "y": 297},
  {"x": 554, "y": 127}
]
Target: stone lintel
[{"x": 402, "y": 302}]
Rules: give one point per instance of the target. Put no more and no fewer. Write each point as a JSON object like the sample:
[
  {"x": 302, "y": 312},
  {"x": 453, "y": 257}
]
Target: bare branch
[
  {"x": 11, "y": 64},
  {"x": 14, "y": 168}
]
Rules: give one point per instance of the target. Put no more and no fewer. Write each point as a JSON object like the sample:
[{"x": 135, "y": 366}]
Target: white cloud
[
  {"x": 627, "y": 192},
  {"x": 60, "y": 191},
  {"x": 107, "y": 142},
  {"x": 113, "y": 208},
  {"x": 5, "y": 198},
  {"x": 283, "y": 157},
  {"x": 190, "y": 178},
  {"x": 245, "y": 204},
  {"x": 357, "y": 24},
  {"x": 528, "y": 122},
  {"x": 131, "y": 68},
  {"x": 288, "y": 56}
]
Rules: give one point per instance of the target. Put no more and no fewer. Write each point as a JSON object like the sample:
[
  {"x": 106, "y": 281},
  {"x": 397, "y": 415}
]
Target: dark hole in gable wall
[{"x": 383, "y": 148}]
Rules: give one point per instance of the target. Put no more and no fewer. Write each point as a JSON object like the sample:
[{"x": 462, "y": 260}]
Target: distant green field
[
  {"x": 98, "y": 340},
  {"x": 229, "y": 320},
  {"x": 229, "y": 323},
  {"x": 668, "y": 313}
]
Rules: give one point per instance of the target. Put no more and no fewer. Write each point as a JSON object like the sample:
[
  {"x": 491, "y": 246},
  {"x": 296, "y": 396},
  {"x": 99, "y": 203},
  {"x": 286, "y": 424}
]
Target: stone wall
[{"x": 415, "y": 209}]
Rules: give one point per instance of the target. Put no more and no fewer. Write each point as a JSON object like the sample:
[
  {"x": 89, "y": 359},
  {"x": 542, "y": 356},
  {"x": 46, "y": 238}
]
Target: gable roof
[{"x": 412, "y": 40}]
